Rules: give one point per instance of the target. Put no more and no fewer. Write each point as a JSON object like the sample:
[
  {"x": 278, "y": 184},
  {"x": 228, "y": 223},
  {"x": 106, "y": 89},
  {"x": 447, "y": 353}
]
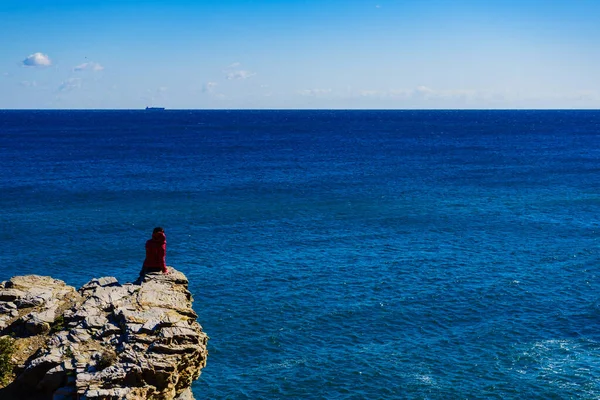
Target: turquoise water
[{"x": 334, "y": 254}]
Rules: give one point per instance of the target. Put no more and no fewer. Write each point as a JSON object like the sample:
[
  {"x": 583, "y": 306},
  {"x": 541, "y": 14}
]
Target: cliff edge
[{"x": 106, "y": 340}]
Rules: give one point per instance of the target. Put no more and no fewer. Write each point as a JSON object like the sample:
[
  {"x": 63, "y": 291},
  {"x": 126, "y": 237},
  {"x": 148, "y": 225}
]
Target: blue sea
[{"x": 334, "y": 254}]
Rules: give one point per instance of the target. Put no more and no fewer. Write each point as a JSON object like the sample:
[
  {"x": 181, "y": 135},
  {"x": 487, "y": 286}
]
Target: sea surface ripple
[{"x": 334, "y": 254}]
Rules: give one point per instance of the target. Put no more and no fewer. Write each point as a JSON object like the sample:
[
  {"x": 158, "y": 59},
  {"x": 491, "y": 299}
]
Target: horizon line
[{"x": 302, "y": 109}]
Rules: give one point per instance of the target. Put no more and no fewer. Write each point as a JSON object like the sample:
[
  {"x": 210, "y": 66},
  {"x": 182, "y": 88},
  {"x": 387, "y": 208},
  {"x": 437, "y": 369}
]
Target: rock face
[{"x": 106, "y": 341}]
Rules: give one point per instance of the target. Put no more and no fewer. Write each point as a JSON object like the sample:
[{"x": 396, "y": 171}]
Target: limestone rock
[
  {"x": 108, "y": 340},
  {"x": 31, "y": 304}
]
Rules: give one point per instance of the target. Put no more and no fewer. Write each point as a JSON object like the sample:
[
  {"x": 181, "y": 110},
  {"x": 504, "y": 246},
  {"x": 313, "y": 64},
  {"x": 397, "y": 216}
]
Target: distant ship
[{"x": 155, "y": 109}]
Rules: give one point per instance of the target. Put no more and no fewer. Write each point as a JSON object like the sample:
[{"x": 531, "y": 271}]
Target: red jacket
[{"x": 156, "y": 251}]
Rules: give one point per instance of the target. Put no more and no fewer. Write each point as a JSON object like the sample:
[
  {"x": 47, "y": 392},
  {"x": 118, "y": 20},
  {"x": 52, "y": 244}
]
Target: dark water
[{"x": 334, "y": 254}]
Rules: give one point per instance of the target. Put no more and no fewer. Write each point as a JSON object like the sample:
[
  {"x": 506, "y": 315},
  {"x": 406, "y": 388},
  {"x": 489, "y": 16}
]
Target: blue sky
[{"x": 300, "y": 54}]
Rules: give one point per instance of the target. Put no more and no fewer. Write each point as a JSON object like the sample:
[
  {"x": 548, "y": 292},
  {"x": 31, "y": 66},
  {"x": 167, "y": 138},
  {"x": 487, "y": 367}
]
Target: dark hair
[{"x": 158, "y": 229}]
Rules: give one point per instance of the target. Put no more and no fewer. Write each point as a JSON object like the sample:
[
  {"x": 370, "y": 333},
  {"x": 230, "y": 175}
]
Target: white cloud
[
  {"x": 92, "y": 66},
  {"x": 236, "y": 75},
  {"x": 155, "y": 95},
  {"x": 575, "y": 98},
  {"x": 421, "y": 93},
  {"x": 158, "y": 91},
  {"x": 584, "y": 95},
  {"x": 37, "y": 60},
  {"x": 424, "y": 90},
  {"x": 209, "y": 87},
  {"x": 29, "y": 83},
  {"x": 233, "y": 72},
  {"x": 372, "y": 93},
  {"x": 315, "y": 92},
  {"x": 70, "y": 84}
]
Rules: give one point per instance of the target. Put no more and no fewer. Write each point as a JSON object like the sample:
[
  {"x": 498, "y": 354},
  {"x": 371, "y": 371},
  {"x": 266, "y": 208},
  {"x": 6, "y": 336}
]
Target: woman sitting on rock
[{"x": 156, "y": 251}]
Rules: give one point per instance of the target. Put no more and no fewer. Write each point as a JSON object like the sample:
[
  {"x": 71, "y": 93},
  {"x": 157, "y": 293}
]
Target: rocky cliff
[{"x": 106, "y": 340}]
